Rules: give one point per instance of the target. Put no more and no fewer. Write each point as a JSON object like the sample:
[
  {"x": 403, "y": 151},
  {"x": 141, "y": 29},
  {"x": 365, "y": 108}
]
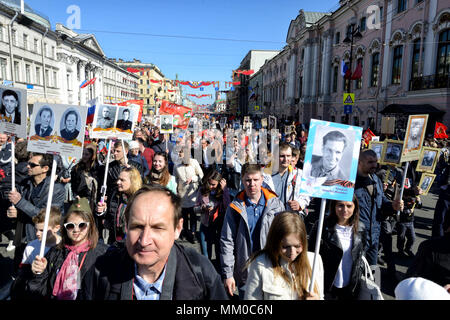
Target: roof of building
[
  {"x": 313, "y": 17},
  {"x": 29, "y": 12}
]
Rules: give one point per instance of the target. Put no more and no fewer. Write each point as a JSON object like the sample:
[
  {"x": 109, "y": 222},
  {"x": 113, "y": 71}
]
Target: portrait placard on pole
[
  {"x": 166, "y": 123},
  {"x": 57, "y": 129},
  {"x": 388, "y": 125},
  {"x": 13, "y": 111},
  {"x": 331, "y": 160},
  {"x": 114, "y": 122},
  {"x": 415, "y": 134}
]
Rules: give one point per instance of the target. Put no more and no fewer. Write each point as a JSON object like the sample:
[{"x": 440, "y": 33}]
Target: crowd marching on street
[{"x": 233, "y": 191}]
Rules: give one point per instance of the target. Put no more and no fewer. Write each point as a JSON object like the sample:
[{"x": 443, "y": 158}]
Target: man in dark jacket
[
  {"x": 441, "y": 211},
  {"x": 152, "y": 266},
  {"x": 31, "y": 196},
  {"x": 372, "y": 202}
]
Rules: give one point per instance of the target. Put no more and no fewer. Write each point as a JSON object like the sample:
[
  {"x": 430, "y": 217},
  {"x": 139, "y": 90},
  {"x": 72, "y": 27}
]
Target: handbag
[{"x": 368, "y": 290}]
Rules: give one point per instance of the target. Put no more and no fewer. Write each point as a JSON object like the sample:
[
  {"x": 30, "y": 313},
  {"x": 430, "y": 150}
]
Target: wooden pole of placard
[
  {"x": 49, "y": 205},
  {"x": 13, "y": 164},
  {"x": 317, "y": 248},
  {"x": 105, "y": 178},
  {"x": 124, "y": 153}
]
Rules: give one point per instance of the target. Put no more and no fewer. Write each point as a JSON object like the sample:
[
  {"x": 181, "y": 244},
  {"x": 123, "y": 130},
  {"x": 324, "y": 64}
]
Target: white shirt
[{"x": 345, "y": 235}]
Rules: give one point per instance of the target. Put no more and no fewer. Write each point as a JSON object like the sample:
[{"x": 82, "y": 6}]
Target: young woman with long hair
[
  {"x": 159, "y": 173},
  {"x": 128, "y": 183},
  {"x": 283, "y": 269},
  {"x": 59, "y": 275},
  {"x": 213, "y": 199},
  {"x": 341, "y": 249}
]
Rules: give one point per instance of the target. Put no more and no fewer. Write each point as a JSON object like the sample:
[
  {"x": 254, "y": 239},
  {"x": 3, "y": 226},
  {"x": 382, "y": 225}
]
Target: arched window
[
  {"x": 375, "y": 69},
  {"x": 415, "y": 58},
  {"x": 397, "y": 65},
  {"x": 443, "y": 58}
]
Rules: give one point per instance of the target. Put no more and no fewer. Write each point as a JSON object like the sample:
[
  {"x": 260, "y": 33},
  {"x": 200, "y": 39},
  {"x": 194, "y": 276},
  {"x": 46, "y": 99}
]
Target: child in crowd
[{"x": 33, "y": 248}]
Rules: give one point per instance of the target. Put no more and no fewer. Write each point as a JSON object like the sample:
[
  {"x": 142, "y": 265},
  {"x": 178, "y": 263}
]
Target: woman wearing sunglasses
[
  {"x": 128, "y": 183},
  {"x": 60, "y": 273}
]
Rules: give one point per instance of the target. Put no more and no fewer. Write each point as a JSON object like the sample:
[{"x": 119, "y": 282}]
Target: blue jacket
[{"x": 370, "y": 214}]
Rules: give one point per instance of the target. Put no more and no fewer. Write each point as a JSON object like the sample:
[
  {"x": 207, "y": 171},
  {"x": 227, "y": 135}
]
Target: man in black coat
[
  {"x": 124, "y": 123},
  {"x": 44, "y": 129},
  {"x": 152, "y": 266}
]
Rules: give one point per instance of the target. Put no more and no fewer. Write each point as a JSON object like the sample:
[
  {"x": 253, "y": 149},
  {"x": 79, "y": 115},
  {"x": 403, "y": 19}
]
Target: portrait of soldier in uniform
[
  {"x": 125, "y": 123},
  {"x": 393, "y": 153},
  {"x": 328, "y": 165},
  {"x": 428, "y": 158},
  {"x": 415, "y": 133},
  {"x": 44, "y": 128},
  {"x": 107, "y": 119},
  {"x": 166, "y": 123}
]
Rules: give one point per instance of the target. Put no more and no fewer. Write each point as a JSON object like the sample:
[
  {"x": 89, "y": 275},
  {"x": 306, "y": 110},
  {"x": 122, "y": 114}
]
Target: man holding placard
[
  {"x": 372, "y": 202},
  {"x": 31, "y": 197}
]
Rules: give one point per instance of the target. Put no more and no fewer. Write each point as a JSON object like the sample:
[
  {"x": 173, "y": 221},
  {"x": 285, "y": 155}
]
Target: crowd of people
[{"x": 227, "y": 192}]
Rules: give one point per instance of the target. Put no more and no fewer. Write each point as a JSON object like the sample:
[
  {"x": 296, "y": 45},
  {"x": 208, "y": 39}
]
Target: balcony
[{"x": 435, "y": 81}]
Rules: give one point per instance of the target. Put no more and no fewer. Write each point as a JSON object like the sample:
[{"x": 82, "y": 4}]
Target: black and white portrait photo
[
  {"x": 377, "y": 148},
  {"x": 166, "y": 123},
  {"x": 70, "y": 125},
  {"x": 393, "y": 152},
  {"x": 428, "y": 158},
  {"x": 124, "y": 122},
  {"x": 45, "y": 121},
  {"x": 332, "y": 154},
  {"x": 106, "y": 117},
  {"x": 205, "y": 125},
  {"x": 415, "y": 133},
  {"x": 10, "y": 106},
  {"x": 426, "y": 183}
]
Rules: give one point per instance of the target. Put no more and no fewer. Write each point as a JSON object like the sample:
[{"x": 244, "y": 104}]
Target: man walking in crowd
[
  {"x": 372, "y": 201},
  {"x": 286, "y": 182},
  {"x": 31, "y": 196},
  {"x": 152, "y": 266},
  {"x": 245, "y": 227}
]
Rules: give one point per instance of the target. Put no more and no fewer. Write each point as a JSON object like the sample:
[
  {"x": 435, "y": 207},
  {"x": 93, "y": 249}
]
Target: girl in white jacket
[{"x": 282, "y": 270}]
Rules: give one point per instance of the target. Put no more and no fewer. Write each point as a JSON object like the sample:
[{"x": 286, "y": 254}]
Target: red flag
[
  {"x": 440, "y": 131},
  {"x": 358, "y": 72},
  {"x": 367, "y": 135},
  {"x": 181, "y": 114}
]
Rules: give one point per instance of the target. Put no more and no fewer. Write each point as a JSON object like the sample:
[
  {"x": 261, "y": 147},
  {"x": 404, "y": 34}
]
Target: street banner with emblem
[
  {"x": 367, "y": 136},
  {"x": 440, "y": 131}
]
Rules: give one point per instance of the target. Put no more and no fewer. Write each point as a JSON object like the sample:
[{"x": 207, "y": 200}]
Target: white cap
[
  {"x": 420, "y": 289},
  {"x": 133, "y": 145}
]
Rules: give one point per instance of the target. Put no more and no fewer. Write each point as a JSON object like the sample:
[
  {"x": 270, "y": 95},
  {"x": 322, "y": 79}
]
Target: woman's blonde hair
[
  {"x": 283, "y": 225},
  {"x": 135, "y": 180}
]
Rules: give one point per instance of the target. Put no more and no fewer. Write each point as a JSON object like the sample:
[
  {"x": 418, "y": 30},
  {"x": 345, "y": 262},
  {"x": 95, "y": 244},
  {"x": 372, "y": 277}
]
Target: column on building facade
[
  {"x": 82, "y": 93},
  {"x": 430, "y": 39},
  {"x": 306, "y": 70},
  {"x": 386, "y": 68},
  {"x": 326, "y": 64},
  {"x": 291, "y": 74},
  {"x": 315, "y": 67}
]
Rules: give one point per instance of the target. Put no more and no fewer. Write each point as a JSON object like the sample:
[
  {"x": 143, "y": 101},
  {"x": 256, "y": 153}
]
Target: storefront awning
[{"x": 412, "y": 109}]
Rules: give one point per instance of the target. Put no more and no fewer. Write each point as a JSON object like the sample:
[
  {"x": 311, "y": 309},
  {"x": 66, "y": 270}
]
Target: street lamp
[{"x": 352, "y": 34}]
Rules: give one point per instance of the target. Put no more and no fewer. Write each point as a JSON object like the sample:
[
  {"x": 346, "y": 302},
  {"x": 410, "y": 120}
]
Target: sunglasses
[
  {"x": 33, "y": 165},
  {"x": 71, "y": 226}
]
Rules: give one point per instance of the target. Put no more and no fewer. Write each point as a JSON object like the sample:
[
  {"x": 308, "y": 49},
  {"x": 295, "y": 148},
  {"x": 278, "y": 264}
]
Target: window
[
  {"x": 25, "y": 42},
  {"x": 69, "y": 81},
  {"x": 53, "y": 52},
  {"x": 14, "y": 37},
  {"x": 47, "y": 77},
  {"x": 401, "y": 5},
  {"x": 337, "y": 38},
  {"x": 28, "y": 73},
  {"x": 335, "y": 78},
  {"x": 1, "y": 32},
  {"x": 55, "y": 79},
  {"x": 381, "y": 13},
  {"x": 415, "y": 59},
  {"x": 3, "y": 63},
  {"x": 375, "y": 68},
  {"x": 362, "y": 24},
  {"x": 443, "y": 58},
  {"x": 38, "y": 75},
  {"x": 358, "y": 82},
  {"x": 36, "y": 45},
  {"x": 142, "y": 91},
  {"x": 45, "y": 50},
  {"x": 397, "y": 65},
  {"x": 142, "y": 81}
]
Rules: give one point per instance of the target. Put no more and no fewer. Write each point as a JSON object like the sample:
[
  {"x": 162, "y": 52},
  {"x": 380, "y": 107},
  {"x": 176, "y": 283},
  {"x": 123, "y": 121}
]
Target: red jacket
[{"x": 148, "y": 154}]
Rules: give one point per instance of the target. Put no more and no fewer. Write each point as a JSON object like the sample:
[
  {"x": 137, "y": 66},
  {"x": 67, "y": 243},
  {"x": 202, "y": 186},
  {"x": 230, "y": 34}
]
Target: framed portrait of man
[
  {"x": 264, "y": 122},
  {"x": 428, "y": 159},
  {"x": 13, "y": 111},
  {"x": 272, "y": 122},
  {"x": 415, "y": 134},
  {"x": 331, "y": 160},
  {"x": 205, "y": 124},
  {"x": 166, "y": 123},
  {"x": 377, "y": 147},
  {"x": 392, "y": 153},
  {"x": 426, "y": 181}
]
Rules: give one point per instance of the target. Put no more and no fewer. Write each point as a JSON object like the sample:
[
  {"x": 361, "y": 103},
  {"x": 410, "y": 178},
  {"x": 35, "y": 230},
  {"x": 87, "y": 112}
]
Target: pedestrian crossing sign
[{"x": 349, "y": 98}]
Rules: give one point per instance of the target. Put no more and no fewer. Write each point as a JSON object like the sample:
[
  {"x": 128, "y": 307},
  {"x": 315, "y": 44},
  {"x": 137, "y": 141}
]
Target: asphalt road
[{"x": 423, "y": 223}]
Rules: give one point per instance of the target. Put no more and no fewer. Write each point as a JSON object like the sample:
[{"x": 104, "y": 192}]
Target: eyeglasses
[
  {"x": 71, "y": 226},
  {"x": 33, "y": 165}
]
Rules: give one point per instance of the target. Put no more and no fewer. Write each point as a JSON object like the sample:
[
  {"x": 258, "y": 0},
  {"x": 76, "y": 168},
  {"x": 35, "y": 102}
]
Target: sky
[{"x": 171, "y": 34}]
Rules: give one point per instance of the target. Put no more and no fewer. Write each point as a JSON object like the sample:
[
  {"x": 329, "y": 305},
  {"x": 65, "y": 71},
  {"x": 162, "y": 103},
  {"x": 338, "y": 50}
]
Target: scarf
[
  {"x": 66, "y": 283},
  {"x": 155, "y": 175}
]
